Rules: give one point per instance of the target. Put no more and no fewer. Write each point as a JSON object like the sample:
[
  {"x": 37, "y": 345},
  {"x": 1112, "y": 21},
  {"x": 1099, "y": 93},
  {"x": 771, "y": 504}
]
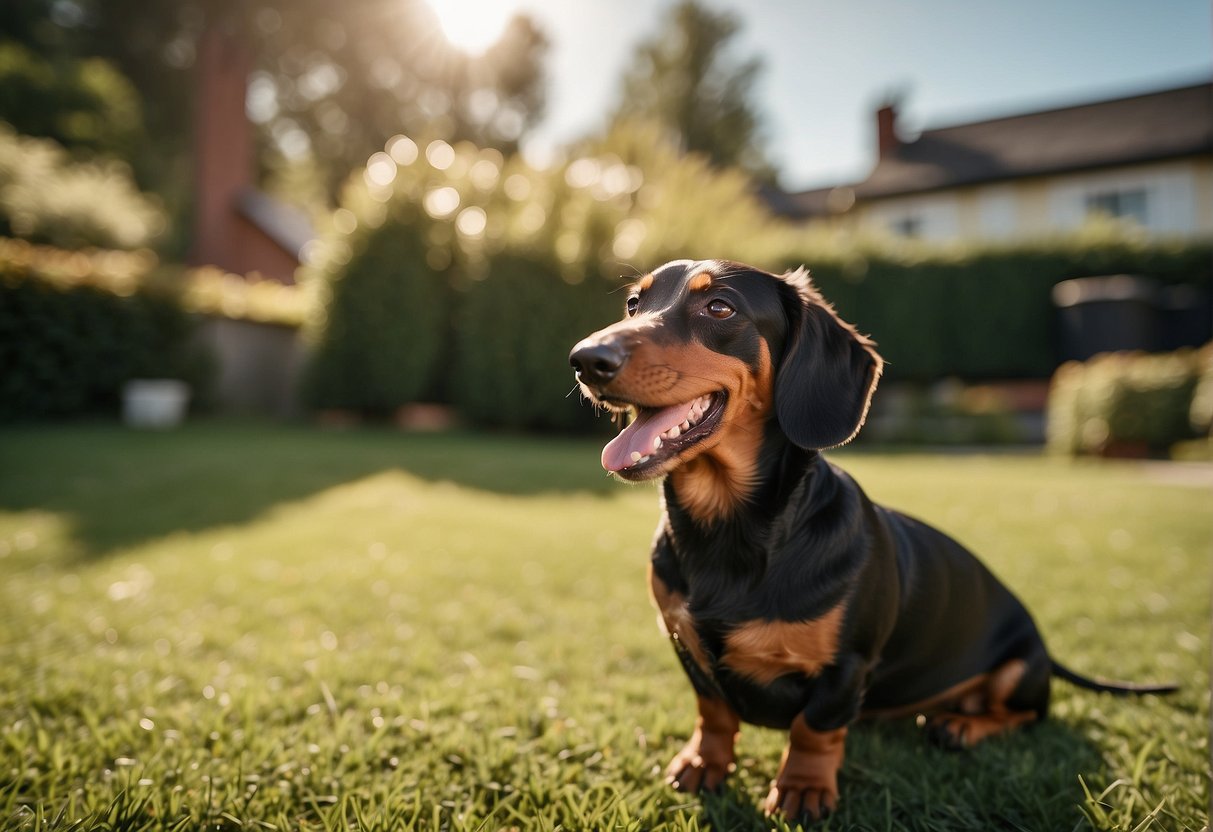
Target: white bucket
[{"x": 154, "y": 402}]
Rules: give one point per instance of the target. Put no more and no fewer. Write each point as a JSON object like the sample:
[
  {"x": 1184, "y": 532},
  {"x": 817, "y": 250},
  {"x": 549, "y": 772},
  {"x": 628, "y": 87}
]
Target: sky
[{"x": 829, "y": 64}]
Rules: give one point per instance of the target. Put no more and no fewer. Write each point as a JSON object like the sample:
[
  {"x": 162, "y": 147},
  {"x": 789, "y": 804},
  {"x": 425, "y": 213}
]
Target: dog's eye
[
  {"x": 719, "y": 309},
  {"x": 633, "y": 304}
]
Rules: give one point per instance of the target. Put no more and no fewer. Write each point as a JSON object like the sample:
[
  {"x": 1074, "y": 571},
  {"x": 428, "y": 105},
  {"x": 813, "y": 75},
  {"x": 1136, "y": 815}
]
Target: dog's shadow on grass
[
  {"x": 117, "y": 488},
  {"x": 894, "y": 779}
]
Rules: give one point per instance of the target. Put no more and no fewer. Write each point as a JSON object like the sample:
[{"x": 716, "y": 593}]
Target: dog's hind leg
[{"x": 1015, "y": 693}]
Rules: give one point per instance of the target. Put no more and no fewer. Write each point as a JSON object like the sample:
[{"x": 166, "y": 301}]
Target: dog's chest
[
  {"x": 757, "y": 648},
  {"x": 765, "y": 670}
]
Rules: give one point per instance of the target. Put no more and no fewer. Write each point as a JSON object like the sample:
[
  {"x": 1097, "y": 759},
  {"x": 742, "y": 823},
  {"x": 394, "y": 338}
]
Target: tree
[
  {"x": 685, "y": 79},
  {"x": 348, "y": 76},
  {"x": 119, "y": 64},
  {"x": 333, "y": 80},
  {"x": 84, "y": 105}
]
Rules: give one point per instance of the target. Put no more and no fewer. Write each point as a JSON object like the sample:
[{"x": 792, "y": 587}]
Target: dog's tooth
[
  {"x": 673, "y": 433},
  {"x": 686, "y": 424},
  {"x": 636, "y": 456},
  {"x": 656, "y": 443}
]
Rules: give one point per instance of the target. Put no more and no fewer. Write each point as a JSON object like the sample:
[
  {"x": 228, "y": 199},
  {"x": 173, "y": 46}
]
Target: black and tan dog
[{"x": 792, "y": 600}]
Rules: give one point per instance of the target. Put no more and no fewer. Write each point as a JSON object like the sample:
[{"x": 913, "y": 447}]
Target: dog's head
[{"x": 709, "y": 352}]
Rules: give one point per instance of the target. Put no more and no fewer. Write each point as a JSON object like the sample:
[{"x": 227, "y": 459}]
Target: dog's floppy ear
[{"x": 828, "y": 373}]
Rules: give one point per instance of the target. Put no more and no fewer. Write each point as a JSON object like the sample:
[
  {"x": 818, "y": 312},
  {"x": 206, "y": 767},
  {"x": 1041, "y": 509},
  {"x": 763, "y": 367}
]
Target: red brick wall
[{"x": 223, "y": 165}]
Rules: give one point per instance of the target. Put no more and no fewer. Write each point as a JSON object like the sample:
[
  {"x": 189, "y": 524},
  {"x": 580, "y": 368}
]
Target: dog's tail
[{"x": 1116, "y": 688}]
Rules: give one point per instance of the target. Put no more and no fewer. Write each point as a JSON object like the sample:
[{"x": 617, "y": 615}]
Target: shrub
[
  {"x": 1200, "y": 416},
  {"x": 70, "y": 337},
  {"x": 682, "y": 205},
  {"x": 211, "y": 291},
  {"x": 1127, "y": 402},
  {"x": 514, "y": 334},
  {"x": 46, "y": 197},
  {"x": 946, "y": 413},
  {"x": 381, "y": 339},
  {"x": 490, "y": 270}
]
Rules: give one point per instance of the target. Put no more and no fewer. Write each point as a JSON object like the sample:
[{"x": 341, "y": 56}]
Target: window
[
  {"x": 1127, "y": 205},
  {"x": 907, "y": 227},
  {"x": 934, "y": 217}
]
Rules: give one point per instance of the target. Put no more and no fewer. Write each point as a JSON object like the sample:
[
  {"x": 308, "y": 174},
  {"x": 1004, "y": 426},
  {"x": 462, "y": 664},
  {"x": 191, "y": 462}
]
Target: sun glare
[{"x": 473, "y": 25}]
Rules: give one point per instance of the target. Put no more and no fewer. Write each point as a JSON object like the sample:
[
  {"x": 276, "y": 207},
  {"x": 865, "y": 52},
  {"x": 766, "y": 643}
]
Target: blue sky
[{"x": 830, "y": 62}]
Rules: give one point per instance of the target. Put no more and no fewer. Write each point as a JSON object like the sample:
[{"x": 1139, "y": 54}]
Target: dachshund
[{"x": 792, "y": 600}]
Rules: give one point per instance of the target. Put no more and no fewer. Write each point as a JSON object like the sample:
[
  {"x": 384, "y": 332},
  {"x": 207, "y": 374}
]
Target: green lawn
[{"x": 258, "y": 628}]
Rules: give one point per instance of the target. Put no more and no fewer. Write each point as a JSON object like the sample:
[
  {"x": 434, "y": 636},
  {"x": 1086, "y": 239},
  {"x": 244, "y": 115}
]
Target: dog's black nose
[{"x": 597, "y": 362}]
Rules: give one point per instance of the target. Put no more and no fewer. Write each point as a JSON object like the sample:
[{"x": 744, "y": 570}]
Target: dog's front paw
[
  {"x": 803, "y": 801},
  {"x": 702, "y": 764},
  {"x": 806, "y": 787}
]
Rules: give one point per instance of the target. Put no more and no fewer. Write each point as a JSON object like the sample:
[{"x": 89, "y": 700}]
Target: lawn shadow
[
  {"x": 120, "y": 487},
  {"x": 894, "y": 779}
]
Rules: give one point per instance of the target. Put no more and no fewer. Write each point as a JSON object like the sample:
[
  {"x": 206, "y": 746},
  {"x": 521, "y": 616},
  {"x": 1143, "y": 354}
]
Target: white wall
[
  {"x": 1170, "y": 196},
  {"x": 1040, "y": 206},
  {"x": 936, "y": 217}
]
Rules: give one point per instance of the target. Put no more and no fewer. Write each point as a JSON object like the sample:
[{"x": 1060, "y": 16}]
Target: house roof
[
  {"x": 1140, "y": 128},
  {"x": 285, "y": 224}
]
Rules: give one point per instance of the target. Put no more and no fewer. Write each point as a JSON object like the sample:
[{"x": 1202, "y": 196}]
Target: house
[
  {"x": 244, "y": 231},
  {"x": 236, "y": 227},
  {"x": 1146, "y": 159}
]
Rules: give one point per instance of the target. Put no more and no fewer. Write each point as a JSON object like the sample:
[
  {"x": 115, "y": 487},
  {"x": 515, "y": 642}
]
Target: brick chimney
[
  {"x": 223, "y": 144},
  {"x": 887, "y": 141}
]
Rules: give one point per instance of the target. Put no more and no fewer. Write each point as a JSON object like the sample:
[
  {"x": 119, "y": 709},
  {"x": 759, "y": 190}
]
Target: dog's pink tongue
[{"x": 638, "y": 437}]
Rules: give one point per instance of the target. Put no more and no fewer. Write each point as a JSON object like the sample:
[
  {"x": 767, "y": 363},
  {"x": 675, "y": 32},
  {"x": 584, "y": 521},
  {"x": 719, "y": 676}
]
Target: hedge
[
  {"x": 384, "y": 332},
  {"x": 513, "y": 336},
  {"x": 986, "y": 313},
  {"x": 75, "y": 327},
  {"x": 1130, "y": 403},
  {"x": 209, "y": 290}
]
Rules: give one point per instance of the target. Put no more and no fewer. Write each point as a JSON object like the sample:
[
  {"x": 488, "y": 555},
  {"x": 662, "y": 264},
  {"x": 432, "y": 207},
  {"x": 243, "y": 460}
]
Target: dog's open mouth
[{"x": 657, "y": 434}]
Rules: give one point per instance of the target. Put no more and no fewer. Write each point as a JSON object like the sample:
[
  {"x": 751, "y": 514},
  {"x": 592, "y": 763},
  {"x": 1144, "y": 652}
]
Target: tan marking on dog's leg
[
  {"x": 707, "y": 758},
  {"x": 807, "y": 782},
  {"x": 676, "y": 619},
  {"x": 944, "y": 700},
  {"x": 966, "y": 728}
]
